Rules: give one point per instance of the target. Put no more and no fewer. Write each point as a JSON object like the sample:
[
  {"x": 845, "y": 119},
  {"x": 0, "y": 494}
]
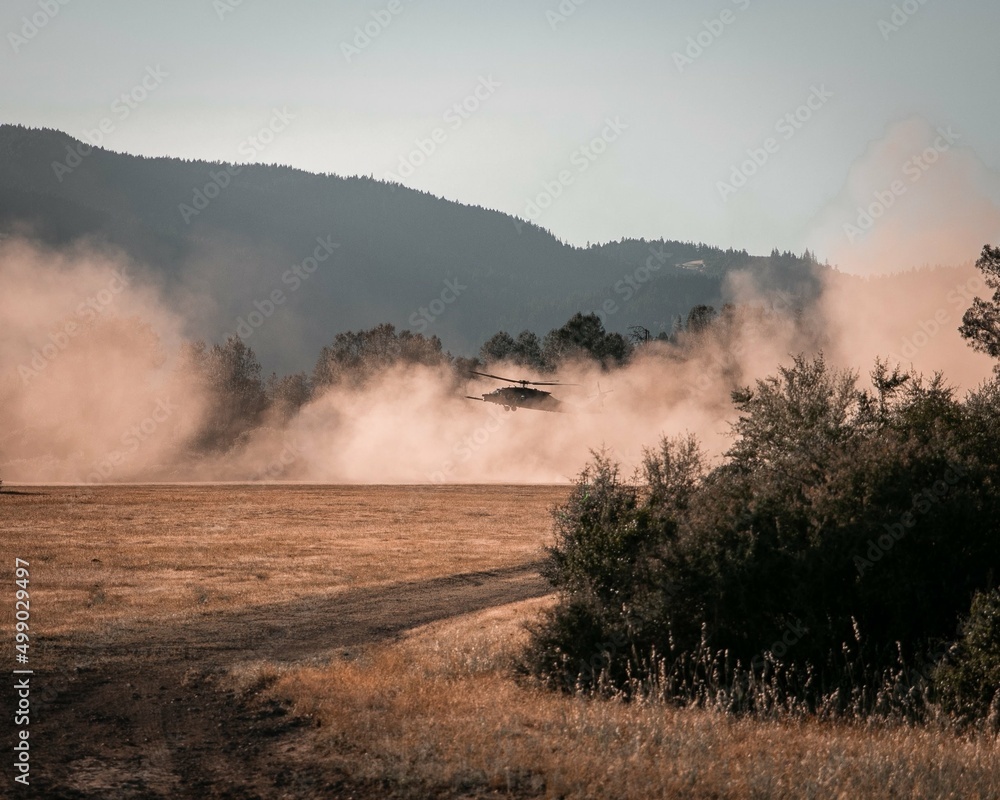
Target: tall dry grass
[{"x": 440, "y": 711}]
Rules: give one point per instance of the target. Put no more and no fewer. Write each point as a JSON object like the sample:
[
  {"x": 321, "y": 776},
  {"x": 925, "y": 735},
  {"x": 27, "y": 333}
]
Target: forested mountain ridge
[{"x": 348, "y": 252}]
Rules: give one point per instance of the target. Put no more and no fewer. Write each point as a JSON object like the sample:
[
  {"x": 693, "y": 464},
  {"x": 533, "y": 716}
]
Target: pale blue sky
[{"x": 559, "y": 81}]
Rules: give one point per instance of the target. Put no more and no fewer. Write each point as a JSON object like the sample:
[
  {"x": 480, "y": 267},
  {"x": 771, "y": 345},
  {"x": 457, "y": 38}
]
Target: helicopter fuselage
[{"x": 515, "y": 397}]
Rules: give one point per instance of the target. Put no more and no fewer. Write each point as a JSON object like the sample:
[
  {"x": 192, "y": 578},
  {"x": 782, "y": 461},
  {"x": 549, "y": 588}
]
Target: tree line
[{"x": 242, "y": 398}]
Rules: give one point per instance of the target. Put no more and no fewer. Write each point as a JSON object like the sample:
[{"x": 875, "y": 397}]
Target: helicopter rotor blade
[
  {"x": 487, "y": 375},
  {"x": 521, "y": 382}
]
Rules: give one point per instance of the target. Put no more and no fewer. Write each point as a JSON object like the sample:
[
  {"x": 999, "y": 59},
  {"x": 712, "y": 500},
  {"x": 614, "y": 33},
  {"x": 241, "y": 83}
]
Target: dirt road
[{"x": 142, "y": 712}]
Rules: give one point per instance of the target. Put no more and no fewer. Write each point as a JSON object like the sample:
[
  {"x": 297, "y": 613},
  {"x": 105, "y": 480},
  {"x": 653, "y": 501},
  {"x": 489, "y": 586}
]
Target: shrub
[
  {"x": 834, "y": 547},
  {"x": 599, "y": 540},
  {"x": 968, "y": 681}
]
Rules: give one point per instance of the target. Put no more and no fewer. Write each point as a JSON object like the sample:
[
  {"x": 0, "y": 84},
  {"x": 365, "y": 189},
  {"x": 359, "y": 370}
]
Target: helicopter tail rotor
[{"x": 600, "y": 394}]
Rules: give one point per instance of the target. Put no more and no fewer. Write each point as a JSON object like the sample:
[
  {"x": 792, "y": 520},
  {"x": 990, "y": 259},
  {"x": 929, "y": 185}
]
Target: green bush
[
  {"x": 832, "y": 549},
  {"x": 968, "y": 681}
]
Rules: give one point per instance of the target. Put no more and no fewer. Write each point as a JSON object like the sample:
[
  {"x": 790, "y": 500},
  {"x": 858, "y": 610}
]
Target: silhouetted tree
[
  {"x": 699, "y": 318},
  {"x": 498, "y": 347},
  {"x": 287, "y": 394},
  {"x": 528, "y": 350},
  {"x": 354, "y": 357},
  {"x": 981, "y": 322},
  {"x": 525, "y": 351},
  {"x": 639, "y": 334},
  {"x": 584, "y": 336},
  {"x": 230, "y": 376}
]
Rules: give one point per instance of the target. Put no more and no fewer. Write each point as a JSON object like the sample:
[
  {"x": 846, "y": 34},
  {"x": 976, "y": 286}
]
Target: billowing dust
[{"x": 94, "y": 387}]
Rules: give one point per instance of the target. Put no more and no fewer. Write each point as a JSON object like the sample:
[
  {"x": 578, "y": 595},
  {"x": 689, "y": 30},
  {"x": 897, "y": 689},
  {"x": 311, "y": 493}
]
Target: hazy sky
[{"x": 689, "y": 105}]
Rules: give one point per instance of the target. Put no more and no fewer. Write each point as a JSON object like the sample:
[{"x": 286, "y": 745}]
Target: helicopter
[{"x": 521, "y": 395}]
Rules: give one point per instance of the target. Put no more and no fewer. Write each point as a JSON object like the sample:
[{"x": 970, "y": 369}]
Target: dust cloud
[
  {"x": 95, "y": 385},
  {"x": 919, "y": 195},
  {"x": 89, "y": 389}
]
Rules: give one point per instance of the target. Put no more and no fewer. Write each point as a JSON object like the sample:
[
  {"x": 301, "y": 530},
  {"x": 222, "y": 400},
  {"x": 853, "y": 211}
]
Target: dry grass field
[
  {"x": 143, "y": 597},
  {"x": 114, "y": 555},
  {"x": 438, "y": 714},
  {"x": 306, "y": 641}
]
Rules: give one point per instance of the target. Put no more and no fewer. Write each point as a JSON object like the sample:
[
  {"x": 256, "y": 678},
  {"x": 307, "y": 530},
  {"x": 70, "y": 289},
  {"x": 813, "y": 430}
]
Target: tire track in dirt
[{"x": 144, "y": 715}]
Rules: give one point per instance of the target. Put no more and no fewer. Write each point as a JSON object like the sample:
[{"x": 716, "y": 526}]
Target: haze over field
[{"x": 96, "y": 386}]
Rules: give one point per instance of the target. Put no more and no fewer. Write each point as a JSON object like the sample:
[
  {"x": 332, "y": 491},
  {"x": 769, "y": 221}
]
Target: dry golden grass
[
  {"x": 109, "y": 553},
  {"x": 439, "y": 711}
]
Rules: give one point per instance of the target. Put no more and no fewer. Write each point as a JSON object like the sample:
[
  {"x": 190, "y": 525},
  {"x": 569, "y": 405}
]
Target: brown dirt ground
[{"x": 130, "y": 697}]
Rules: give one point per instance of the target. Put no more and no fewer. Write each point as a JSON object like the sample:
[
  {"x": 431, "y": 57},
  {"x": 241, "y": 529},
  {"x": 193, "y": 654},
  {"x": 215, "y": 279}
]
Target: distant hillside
[{"x": 221, "y": 239}]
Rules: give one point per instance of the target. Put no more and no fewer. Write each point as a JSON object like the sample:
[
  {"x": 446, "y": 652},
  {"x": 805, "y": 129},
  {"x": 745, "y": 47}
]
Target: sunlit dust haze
[
  {"x": 90, "y": 387},
  {"x": 95, "y": 386},
  {"x": 918, "y": 195}
]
